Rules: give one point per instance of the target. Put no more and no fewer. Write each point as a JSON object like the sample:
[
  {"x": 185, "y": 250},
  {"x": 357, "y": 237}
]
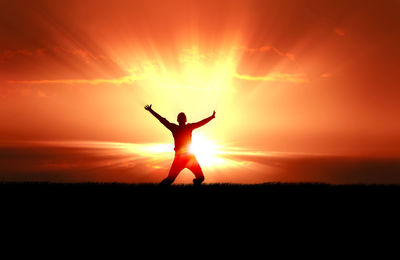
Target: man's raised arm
[
  {"x": 160, "y": 118},
  {"x": 204, "y": 121}
]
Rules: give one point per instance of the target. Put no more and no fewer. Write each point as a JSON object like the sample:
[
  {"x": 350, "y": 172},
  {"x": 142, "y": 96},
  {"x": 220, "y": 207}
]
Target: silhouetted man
[{"x": 184, "y": 158}]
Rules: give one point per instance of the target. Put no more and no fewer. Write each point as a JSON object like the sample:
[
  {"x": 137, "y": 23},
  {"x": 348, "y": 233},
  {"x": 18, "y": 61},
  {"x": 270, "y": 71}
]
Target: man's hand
[
  {"x": 213, "y": 115},
  {"x": 147, "y": 107}
]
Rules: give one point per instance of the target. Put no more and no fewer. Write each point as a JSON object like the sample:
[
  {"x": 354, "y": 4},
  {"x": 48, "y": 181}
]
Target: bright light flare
[
  {"x": 205, "y": 150},
  {"x": 208, "y": 153}
]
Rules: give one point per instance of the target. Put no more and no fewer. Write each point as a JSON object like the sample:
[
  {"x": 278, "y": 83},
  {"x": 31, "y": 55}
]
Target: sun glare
[
  {"x": 205, "y": 150},
  {"x": 202, "y": 82}
]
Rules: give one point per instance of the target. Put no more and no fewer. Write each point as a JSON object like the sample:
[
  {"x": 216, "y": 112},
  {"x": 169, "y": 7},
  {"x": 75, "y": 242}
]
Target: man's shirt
[{"x": 183, "y": 134}]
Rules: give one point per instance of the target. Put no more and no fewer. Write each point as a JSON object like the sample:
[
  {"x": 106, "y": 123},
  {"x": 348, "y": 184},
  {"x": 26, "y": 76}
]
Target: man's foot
[
  {"x": 197, "y": 182},
  {"x": 165, "y": 183}
]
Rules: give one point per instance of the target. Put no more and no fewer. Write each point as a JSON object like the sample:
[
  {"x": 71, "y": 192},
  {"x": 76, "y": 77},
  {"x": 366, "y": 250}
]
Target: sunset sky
[{"x": 285, "y": 77}]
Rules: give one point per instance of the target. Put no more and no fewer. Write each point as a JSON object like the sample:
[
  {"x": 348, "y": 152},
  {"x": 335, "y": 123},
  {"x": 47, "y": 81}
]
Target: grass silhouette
[
  {"x": 218, "y": 203},
  {"x": 210, "y": 190}
]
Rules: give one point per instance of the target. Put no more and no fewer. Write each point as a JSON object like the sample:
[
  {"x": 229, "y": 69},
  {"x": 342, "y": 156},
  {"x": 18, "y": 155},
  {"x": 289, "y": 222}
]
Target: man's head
[{"x": 181, "y": 118}]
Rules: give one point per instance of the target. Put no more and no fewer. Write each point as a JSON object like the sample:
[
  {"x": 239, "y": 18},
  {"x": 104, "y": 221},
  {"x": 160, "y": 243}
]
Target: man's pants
[{"x": 182, "y": 161}]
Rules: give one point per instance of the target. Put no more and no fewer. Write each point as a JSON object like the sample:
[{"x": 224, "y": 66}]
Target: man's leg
[
  {"x": 197, "y": 171},
  {"x": 176, "y": 167}
]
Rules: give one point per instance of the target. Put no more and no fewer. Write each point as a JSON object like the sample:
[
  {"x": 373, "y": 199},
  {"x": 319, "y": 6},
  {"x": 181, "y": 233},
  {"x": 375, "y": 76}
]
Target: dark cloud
[
  {"x": 105, "y": 162},
  {"x": 330, "y": 168}
]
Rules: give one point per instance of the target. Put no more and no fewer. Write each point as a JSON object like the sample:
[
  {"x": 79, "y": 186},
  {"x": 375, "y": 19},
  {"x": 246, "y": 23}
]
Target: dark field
[
  {"x": 264, "y": 193},
  {"x": 190, "y": 208},
  {"x": 44, "y": 187},
  {"x": 40, "y": 187}
]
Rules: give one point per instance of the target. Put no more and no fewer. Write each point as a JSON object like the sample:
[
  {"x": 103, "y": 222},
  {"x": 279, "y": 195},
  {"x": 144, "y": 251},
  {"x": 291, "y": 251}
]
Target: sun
[{"x": 205, "y": 150}]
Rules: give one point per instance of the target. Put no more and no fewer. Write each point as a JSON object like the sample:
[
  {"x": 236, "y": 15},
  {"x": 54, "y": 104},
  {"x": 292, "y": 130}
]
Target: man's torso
[{"x": 182, "y": 137}]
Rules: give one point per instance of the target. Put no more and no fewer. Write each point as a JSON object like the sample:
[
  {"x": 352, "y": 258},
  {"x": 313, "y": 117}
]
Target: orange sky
[{"x": 289, "y": 76}]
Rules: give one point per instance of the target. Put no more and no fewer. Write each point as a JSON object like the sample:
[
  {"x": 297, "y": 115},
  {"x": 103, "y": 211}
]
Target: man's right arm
[{"x": 160, "y": 118}]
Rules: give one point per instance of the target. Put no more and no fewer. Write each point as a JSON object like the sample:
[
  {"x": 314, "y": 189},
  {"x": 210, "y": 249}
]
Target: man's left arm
[{"x": 204, "y": 121}]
